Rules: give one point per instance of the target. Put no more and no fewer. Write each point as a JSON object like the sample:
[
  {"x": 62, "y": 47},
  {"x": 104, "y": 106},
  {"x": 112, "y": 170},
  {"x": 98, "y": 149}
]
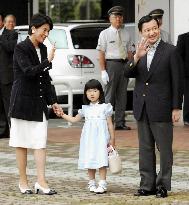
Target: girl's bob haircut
[
  {"x": 38, "y": 20},
  {"x": 93, "y": 84}
]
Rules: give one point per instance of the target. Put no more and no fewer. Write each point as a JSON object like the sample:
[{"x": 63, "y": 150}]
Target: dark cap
[
  {"x": 116, "y": 10},
  {"x": 156, "y": 13}
]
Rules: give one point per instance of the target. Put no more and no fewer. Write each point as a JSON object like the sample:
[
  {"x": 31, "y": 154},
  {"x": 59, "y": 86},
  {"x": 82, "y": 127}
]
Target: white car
[{"x": 76, "y": 57}]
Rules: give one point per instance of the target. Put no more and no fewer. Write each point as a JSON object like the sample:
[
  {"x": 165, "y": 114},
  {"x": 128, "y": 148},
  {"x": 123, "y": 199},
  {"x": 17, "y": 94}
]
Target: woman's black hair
[
  {"x": 146, "y": 19},
  {"x": 38, "y": 20},
  {"x": 2, "y": 16},
  {"x": 93, "y": 84}
]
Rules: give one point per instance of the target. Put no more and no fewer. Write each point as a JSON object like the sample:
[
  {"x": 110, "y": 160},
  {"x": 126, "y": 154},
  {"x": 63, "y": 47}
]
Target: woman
[{"x": 31, "y": 93}]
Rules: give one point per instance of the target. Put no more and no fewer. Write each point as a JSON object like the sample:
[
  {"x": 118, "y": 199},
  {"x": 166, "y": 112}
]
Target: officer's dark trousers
[
  {"x": 116, "y": 90},
  {"x": 186, "y": 100},
  {"x": 5, "y": 92},
  {"x": 149, "y": 134}
]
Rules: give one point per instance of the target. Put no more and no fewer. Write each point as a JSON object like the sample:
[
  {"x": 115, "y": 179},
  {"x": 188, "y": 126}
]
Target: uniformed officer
[
  {"x": 158, "y": 14},
  {"x": 113, "y": 46}
]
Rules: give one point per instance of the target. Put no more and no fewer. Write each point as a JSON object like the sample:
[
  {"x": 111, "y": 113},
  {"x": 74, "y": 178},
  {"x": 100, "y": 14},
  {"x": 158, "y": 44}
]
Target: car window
[
  {"x": 22, "y": 34},
  {"x": 58, "y": 36},
  {"x": 86, "y": 38}
]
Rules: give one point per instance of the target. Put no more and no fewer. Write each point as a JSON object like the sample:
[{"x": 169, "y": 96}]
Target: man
[
  {"x": 113, "y": 46},
  {"x": 10, "y": 22},
  {"x": 158, "y": 14},
  {"x": 1, "y": 22},
  {"x": 8, "y": 40},
  {"x": 157, "y": 101},
  {"x": 183, "y": 49}
]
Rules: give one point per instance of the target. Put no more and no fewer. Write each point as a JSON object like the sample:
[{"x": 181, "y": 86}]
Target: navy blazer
[
  {"x": 183, "y": 49},
  {"x": 8, "y": 41},
  {"x": 160, "y": 88},
  {"x": 32, "y": 90}
]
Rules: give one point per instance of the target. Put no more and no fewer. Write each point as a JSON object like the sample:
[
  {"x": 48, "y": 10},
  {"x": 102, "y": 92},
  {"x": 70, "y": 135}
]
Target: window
[
  {"x": 86, "y": 38},
  {"x": 22, "y": 34},
  {"x": 58, "y": 36}
]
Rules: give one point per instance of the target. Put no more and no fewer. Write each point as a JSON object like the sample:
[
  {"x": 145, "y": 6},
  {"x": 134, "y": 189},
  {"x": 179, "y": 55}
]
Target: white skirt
[{"x": 28, "y": 134}]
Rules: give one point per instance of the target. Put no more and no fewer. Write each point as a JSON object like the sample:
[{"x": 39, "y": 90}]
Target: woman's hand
[
  {"x": 57, "y": 109},
  {"x": 52, "y": 53}
]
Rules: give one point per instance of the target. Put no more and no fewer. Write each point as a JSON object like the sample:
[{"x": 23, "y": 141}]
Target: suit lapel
[
  {"x": 143, "y": 67},
  {"x": 155, "y": 61},
  {"x": 5, "y": 31},
  {"x": 42, "y": 51},
  {"x": 33, "y": 50}
]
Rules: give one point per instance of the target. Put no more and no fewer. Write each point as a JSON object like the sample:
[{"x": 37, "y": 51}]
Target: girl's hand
[{"x": 112, "y": 142}]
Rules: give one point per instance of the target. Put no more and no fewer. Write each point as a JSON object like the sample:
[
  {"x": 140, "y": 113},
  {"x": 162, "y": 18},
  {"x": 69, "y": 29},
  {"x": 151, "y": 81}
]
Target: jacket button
[{"x": 144, "y": 95}]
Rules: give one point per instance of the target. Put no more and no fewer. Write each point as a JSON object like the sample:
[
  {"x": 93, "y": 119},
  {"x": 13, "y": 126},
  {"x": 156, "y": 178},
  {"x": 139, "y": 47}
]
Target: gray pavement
[{"x": 71, "y": 183}]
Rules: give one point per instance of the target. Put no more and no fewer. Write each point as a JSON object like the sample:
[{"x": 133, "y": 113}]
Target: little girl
[{"x": 97, "y": 134}]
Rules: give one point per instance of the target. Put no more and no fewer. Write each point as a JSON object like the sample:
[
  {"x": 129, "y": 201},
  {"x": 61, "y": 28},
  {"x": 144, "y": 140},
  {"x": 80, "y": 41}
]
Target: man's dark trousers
[{"x": 149, "y": 134}]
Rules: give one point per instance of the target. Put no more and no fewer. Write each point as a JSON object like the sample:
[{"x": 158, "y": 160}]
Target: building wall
[
  {"x": 179, "y": 18},
  {"x": 19, "y": 8},
  {"x": 129, "y": 6}
]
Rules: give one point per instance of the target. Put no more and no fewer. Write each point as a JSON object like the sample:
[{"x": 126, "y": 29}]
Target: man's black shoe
[
  {"x": 4, "y": 136},
  {"x": 186, "y": 123},
  {"x": 122, "y": 128},
  {"x": 161, "y": 192},
  {"x": 143, "y": 192}
]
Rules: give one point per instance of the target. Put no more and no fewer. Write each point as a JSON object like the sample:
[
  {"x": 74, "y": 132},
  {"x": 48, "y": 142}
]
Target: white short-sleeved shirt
[
  {"x": 107, "y": 42},
  {"x": 165, "y": 36}
]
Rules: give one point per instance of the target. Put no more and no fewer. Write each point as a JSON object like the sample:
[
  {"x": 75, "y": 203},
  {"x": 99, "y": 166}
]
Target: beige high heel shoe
[
  {"x": 25, "y": 191},
  {"x": 40, "y": 190}
]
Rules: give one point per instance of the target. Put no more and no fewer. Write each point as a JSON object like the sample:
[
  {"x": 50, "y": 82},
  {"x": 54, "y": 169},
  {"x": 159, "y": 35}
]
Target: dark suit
[
  {"x": 157, "y": 92},
  {"x": 183, "y": 49},
  {"x": 32, "y": 90},
  {"x": 8, "y": 40}
]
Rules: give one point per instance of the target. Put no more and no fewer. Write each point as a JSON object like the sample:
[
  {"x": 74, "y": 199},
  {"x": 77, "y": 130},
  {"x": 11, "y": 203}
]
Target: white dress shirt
[
  {"x": 151, "y": 53},
  {"x": 1, "y": 31}
]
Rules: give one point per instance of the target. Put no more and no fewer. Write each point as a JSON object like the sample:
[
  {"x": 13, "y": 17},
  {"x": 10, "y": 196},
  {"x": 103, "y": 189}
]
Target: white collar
[
  {"x": 1, "y": 30},
  {"x": 93, "y": 104},
  {"x": 115, "y": 29},
  {"x": 155, "y": 45}
]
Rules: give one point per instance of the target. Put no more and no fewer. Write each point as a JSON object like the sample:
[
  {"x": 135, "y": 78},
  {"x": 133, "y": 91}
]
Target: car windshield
[
  {"x": 22, "y": 34},
  {"x": 86, "y": 38},
  {"x": 58, "y": 36}
]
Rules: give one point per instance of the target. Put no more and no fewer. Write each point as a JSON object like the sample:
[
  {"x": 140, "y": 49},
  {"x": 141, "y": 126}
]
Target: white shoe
[
  {"x": 102, "y": 187},
  {"x": 100, "y": 190},
  {"x": 40, "y": 190},
  {"x": 92, "y": 186},
  {"x": 25, "y": 191}
]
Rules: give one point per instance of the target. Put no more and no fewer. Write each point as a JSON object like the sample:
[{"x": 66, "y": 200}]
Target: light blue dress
[{"x": 95, "y": 136}]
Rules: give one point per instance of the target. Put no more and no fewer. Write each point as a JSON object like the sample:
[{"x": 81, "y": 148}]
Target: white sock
[
  {"x": 103, "y": 183},
  {"x": 92, "y": 182}
]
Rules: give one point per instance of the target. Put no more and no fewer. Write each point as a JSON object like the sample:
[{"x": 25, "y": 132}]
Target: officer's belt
[{"x": 118, "y": 60}]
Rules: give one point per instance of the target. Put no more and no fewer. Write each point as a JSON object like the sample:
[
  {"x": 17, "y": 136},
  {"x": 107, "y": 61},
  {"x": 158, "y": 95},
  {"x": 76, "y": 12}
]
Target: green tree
[{"x": 63, "y": 10}]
